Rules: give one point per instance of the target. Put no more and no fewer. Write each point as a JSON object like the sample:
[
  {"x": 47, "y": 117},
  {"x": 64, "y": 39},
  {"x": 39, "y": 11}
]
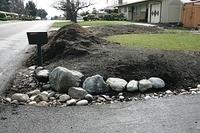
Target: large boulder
[
  {"x": 95, "y": 85},
  {"x": 61, "y": 79},
  {"x": 145, "y": 85},
  {"x": 116, "y": 84},
  {"x": 77, "y": 92},
  {"x": 132, "y": 86},
  {"x": 157, "y": 83}
]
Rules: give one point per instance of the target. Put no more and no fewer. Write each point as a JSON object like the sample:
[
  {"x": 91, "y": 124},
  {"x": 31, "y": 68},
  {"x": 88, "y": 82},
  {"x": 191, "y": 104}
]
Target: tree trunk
[{"x": 74, "y": 17}]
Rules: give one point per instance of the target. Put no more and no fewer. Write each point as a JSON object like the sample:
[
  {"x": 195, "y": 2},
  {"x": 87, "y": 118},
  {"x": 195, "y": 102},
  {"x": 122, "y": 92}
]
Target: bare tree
[{"x": 71, "y": 8}]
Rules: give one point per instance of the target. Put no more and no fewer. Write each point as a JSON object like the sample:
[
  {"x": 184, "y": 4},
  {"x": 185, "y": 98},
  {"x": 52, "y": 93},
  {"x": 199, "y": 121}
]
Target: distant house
[{"x": 152, "y": 11}]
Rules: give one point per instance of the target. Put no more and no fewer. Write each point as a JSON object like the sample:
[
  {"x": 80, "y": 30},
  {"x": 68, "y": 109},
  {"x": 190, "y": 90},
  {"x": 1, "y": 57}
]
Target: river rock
[
  {"x": 132, "y": 86},
  {"x": 89, "y": 97},
  {"x": 34, "y": 103},
  {"x": 34, "y": 92},
  {"x": 116, "y": 84},
  {"x": 71, "y": 102},
  {"x": 41, "y": 97},
  {"x": 157, "y": 83},
  {"x": 95, "y": 85},
  {"x": 64, "y": 98},
  {"x": 42, "y": 75},
  {"x": 20, "y": 97},
  {"x": 145, "y": 85},
  {"x": 61, "y": 79},
  {"x": 77, "y": 92},
  {"x": 82, "y": 103},
  {"x": 43, "y": 104}
]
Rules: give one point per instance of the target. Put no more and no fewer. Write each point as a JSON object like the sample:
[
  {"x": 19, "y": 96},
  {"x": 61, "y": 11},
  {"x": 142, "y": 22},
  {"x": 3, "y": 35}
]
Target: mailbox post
[{"x": 38, "y": 38}]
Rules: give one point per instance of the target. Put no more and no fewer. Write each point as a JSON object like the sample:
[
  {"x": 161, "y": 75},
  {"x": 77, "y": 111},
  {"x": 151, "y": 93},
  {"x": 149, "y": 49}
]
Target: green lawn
[
  {"x": 165, "y": 41},
  {"x": 92, "y": 23}
]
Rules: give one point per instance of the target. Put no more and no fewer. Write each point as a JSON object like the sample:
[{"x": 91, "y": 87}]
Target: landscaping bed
[{"x": 76, "y": 48}]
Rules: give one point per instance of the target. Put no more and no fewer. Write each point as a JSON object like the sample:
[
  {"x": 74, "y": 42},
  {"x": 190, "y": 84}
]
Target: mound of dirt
[
  {"x": 103, "y": 31},
  {"x": 70, "y": 41},
  {"x": 77, "y": 49}
]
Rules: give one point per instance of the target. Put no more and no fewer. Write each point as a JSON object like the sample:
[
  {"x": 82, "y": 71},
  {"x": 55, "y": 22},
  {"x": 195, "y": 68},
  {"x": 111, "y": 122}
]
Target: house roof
[
  {"x": 138, "y": 1},
  {"x": 135, "y": 1}
]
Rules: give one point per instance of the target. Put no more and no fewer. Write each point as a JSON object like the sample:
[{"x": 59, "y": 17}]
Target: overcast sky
[{"x": 47, "y": 5}]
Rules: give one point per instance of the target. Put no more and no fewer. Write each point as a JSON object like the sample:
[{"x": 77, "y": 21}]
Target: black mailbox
[{"x": 37, "y": 38}]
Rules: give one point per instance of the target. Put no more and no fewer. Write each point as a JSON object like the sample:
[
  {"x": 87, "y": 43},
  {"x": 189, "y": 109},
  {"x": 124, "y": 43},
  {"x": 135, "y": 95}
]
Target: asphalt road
[
  {"x": 177, "y": 114},
  {"x": 13, "y": 46}
]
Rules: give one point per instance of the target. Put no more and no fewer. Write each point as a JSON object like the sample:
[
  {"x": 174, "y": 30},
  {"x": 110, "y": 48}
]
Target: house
[{"x": 152, "y": 11}]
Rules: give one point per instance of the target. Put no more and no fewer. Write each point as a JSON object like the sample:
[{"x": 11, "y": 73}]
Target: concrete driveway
[
  {"x": 13, "y": 46},
  {"x": 176, "y": 114}
]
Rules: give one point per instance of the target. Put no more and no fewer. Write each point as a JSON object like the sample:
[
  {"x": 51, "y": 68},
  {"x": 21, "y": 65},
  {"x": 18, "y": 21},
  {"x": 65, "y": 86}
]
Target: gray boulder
[
  {"x": 77, "y": 92},
  {"x": 132, "y": 86},
  {"x": 20, "y": 97},
  {"x": 116, "y": 84},
  {"x": 42, "y": 75},
  {"x": 145, "y": 85},
  {"x": 157, "y": 83},
  {"x": 61, "y": 79},
  {"x": 95, "y": 85}
]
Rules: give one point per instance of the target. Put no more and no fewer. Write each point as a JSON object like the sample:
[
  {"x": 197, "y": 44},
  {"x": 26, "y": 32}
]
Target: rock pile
[{"x": 72, "y": 89}]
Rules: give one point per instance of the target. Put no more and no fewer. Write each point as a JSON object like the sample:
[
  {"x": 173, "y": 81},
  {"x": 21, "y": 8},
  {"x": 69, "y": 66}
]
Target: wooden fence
[{"x": 191, "y": 15}]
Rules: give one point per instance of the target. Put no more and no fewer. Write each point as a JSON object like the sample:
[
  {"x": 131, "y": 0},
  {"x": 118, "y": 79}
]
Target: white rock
[
  {"x": 168, "y": 92},
  {"x": 42, "y": 75},
  {"x": 41, "y": 97},
  {"x": 32, "y": 68},
  {"x": 198, "y": 86},
  {"x": 43, "y": 104},
  {"x": 64, "y": 98},
  {"x": 89, "y": 97},
  {"x": 8, "y": 99},
  {"x": 147, "y": 97},
  {"x": 193, "y": 93},
  {"x": 71, "y": 102},
  {"x": 32, "y": 98},
  {"x": 61, "y": 79},
  {"x": 145, "y": 85},
  {"x": 34, "y": 92},
  {"x": 121, "y": 97},
  {"x": 132, "y": 86},
  {"x": 82, "y": 103},
  {"x": 116, "y": 84},
  {"x": 20, "y": 97},
  {"x": 77, "y": 92},
  {"x": 33, "y": 85},
  {"x": 51, "y": 93},
  {"x": 194, "y": 89},
  {"x": 157, "y": 83},
  {"x": 95, "y": 85},
  {"x": 34, "y": 103},
  {"x": 14, "y": 102},
  {"x": 45, "y": 93}
]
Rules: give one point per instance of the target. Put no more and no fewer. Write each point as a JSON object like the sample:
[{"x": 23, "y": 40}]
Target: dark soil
[
  {"x": 75, "y": 48},
  {"x": 103, "y": 31}
]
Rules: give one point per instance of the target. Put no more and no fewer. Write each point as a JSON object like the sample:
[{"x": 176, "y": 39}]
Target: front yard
[
  {"x": 165, "y": 41},
  {"x": 92, "y": 23}
]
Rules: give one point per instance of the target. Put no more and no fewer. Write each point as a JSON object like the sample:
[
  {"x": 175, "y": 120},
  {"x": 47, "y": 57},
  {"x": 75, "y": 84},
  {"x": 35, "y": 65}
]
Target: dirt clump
[{"x": 70, "y": 41}]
